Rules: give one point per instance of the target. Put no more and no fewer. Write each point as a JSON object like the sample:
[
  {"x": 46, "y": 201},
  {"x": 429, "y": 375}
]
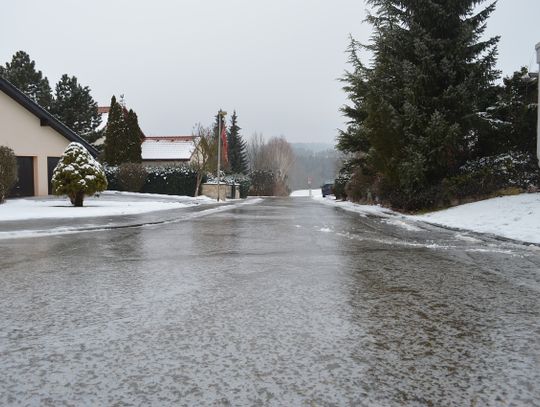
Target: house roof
[
  {"x": 170, "y": 148},
  {"x": 104, "y": 112},
  {"x": 45, "y": 118}
]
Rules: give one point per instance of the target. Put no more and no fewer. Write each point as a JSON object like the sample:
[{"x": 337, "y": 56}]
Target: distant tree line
[
  {"x": 315, "y": 166},
  {"x": 427, "y": 125}
]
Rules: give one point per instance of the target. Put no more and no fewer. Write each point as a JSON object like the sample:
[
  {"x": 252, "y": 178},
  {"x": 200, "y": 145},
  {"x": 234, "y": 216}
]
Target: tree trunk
[
  {"x": 198, "y": 185},
  {"x": 77, "y": 198}
]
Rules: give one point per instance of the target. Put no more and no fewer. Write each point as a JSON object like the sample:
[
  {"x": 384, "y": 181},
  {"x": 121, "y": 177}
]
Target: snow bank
[
  {"x": 363, "y": 210},
  {"x": 516, "y": 217}
]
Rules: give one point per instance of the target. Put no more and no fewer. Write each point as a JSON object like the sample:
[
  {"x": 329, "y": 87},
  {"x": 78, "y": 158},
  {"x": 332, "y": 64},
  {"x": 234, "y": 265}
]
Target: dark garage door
[
  {"x": 25, "y": 184},
  {"x": 51, "y": 164}
]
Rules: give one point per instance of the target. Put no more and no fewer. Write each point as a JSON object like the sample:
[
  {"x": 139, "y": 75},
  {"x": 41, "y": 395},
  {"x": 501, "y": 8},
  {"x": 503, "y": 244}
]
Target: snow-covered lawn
[
  {"x": 20, "y": 209},
  {"x": 199, "y": 199},
  {"x": 515, "y": 217}
]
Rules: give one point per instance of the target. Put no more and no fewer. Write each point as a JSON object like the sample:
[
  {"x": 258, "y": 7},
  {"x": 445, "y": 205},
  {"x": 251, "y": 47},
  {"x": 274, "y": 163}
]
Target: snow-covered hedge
[
  {"x": 77, "y": 174},
  {"x": 171, "y": 180}
]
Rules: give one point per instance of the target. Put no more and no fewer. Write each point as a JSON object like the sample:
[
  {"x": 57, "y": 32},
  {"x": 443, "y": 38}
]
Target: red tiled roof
[{"x": 103, "y": 109}]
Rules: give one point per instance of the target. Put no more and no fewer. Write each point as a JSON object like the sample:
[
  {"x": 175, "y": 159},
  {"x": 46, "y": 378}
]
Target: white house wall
[{"x": 21, "y": 131}]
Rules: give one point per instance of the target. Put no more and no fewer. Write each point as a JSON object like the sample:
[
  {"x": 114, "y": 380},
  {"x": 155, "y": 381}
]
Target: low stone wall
[{"x": 225, "y": 191}]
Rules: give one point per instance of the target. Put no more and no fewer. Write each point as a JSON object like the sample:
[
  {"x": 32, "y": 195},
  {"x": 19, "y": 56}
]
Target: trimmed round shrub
[
  {"x": 8, "y": 171},
  {"x": 78, "y": 174}
]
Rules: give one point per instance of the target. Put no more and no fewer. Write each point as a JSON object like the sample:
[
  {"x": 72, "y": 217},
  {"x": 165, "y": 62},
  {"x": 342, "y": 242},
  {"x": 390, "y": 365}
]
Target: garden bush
[
  {"x": 8, "y": 171},
  {"x": 132, "y": 177},
  {"x": 340, "y": 184},
  {"x": 111, "y": 172},
  {"x": 488, "y": 175},
  {"x": 263, "y": 183}
]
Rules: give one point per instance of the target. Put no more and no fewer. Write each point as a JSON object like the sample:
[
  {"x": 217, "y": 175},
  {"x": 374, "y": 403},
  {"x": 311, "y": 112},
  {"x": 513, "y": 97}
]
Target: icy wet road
[{"x": 283, "y": 303}]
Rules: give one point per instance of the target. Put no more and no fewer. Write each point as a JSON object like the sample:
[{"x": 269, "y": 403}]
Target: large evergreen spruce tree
[
  {"x": 75, "y": 107},
  {"x": 22, "y": 73},
  {"x": 236, "y": 148},
  {"x": 115, "y": 135},
  {"x": 413, "y": 111}
]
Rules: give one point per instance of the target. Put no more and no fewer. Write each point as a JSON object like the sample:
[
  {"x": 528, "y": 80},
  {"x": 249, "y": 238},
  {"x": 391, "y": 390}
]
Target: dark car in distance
[{"x": 327, "y": 189}]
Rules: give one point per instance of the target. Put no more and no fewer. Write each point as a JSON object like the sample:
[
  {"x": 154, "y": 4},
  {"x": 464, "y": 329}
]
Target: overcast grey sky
[{"x": 275, "y": 61}]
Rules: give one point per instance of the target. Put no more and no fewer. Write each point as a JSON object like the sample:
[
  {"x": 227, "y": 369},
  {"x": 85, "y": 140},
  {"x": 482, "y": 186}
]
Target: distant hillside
[
  {"x": 301, "y": 148},
  {"x": 319, "y": 162}
]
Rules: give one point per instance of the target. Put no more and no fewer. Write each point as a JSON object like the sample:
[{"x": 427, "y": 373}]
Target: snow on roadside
[
  {"x": 515, "y": 217},
  {"x": 315, "y": 193},
  {"x": 363, "y": 210}
]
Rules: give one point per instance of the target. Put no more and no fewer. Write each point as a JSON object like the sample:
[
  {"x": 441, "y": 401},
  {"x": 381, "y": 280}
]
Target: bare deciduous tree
[
  {"x": 205, "y": 154},
  {"x": 275, "y": 158},
  {"x": 278, "y": 157},
  {"x": 254, "y": 151}
]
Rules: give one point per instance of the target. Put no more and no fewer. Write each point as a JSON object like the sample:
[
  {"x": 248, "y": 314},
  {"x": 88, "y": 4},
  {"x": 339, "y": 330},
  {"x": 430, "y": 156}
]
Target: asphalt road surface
[{"x": 287, "y": 302}]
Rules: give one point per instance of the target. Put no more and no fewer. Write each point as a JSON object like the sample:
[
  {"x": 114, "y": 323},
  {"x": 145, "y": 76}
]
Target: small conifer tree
[
  {"x": 77, "y": 174},
  {"x": 115, "y": 135},
  {"x": 236, "y": 148},
  {"x": 133, "y": 140}
]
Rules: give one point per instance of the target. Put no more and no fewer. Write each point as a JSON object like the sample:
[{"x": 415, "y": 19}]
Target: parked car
[{"x": 327, "y": 189}]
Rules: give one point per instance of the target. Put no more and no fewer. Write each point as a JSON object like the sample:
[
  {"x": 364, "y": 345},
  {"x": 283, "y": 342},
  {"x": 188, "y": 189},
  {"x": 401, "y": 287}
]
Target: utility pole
[
  {"x": 221, "y": 115},
  {"x": 538, "y": 107}
]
